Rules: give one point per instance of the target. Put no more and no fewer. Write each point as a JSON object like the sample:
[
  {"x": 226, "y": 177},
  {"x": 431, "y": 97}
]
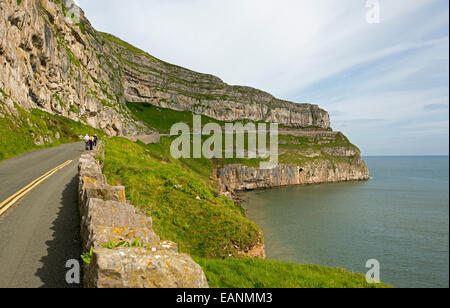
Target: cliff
[
  {"x": 240, "y": 177},
  {"x": 305, "y": 158},
  {"x": 51, "y": 62},
  {"x": 147, "y": 79},
  {"x": 51, "y": 58}
]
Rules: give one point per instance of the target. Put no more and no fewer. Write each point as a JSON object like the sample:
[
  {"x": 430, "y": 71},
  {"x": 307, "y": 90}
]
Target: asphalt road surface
[{"x": 41, "y": 231}]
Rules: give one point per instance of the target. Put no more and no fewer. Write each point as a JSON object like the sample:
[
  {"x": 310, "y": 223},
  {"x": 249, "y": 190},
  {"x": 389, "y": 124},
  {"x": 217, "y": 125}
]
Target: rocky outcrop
[
  {"x": 256, "y": 251},
  {"x": 305, "y": 158},
  {"x": 53, "y": 59},
  {"x": 49, "y": 61},
  {"x": 239, "y": 177},
  {"x": 124, "y": 250},
  {"x": 147, "y": 139}
]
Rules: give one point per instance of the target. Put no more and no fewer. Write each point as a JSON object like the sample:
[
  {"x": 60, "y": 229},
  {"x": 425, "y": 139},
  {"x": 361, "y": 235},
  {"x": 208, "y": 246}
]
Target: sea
[{"x": 400, "y": 218}]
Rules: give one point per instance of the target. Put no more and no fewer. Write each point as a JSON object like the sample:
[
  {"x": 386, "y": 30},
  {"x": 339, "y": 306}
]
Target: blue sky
[{"x": 385, "y": 85}]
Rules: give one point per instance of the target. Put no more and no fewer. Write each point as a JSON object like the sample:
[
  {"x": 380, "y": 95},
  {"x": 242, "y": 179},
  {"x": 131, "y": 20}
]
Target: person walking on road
[
  {"x": 86, "y": 141},
  {"x": 91, "y": 143}
]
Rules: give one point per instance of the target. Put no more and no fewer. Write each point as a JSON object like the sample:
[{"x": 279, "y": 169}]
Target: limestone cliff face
[
  {"x": 53, "y": 59},
  {"x": 177, "y": 88},
  {"x": 51, "y": 62},
  {"x": 240, "y": 178},
  {"x": 305, "y": 158}
]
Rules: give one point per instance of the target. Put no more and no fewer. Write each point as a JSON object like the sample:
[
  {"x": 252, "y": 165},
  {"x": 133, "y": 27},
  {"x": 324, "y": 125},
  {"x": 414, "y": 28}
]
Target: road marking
[
  {"x": 33, "y": 182},
  {"x": 5, "y": 205}
]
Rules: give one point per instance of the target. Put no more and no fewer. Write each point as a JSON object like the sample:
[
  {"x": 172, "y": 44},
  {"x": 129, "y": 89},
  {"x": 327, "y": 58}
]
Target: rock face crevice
[
  {"x": 66, "y": 67},
  {"x": 125, "y": 251}
]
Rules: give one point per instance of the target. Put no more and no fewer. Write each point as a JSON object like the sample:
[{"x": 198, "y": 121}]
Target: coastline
[
  {"x": 398, "y": 218},
  {"x": 207, "y": 226},
  {"x": 238, "y": 177},
  {"x": 259, "y": 250}
]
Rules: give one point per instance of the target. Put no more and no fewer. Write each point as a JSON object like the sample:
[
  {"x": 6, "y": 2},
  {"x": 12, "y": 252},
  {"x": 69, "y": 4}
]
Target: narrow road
[{"x": 40, "y": 232}]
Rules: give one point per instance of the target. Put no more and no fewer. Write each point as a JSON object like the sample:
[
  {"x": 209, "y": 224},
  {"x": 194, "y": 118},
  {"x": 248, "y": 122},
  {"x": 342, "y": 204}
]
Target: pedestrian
[
  {"x": 91, "y": 143},
  {"x": 95, "y": 140},
  {"x": 86, "y": 142}
]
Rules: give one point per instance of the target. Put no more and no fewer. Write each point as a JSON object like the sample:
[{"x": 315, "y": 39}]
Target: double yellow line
[{"x": 5, "y": 205}]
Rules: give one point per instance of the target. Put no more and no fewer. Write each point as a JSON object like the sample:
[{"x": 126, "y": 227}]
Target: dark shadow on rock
[{"x": 66, "y": 242}]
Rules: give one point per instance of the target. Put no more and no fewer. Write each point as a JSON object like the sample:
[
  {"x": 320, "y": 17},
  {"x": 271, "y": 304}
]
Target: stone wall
[{"x": 135, "y": 257}]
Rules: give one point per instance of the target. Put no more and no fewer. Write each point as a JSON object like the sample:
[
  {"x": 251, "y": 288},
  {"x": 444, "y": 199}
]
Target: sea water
[{"x": 400, "y": 218}]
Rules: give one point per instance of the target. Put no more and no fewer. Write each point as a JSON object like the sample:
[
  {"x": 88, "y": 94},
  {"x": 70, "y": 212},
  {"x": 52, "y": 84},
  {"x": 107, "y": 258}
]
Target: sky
[{"x": 385, "y": 84}]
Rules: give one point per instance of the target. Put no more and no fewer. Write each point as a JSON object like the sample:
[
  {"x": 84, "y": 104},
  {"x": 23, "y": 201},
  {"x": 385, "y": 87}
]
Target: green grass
[
  {"x": 185, "y": 208},
  {"x": 293, "y": 149},
  {"x": 258, "y": 273},
  {"x": 162, "y": 119},
  {"x": 127, "y": 46},
  {"x": 17, "y": 136}
]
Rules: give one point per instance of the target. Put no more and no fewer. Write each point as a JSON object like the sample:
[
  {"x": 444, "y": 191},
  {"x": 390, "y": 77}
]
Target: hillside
[{"x": 64, "y": 66}]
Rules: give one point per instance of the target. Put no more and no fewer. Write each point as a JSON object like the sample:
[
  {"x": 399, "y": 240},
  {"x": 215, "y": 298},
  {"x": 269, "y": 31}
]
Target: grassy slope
[
  {"x": 16, "y": 133},
  {"x": 257, "y": 273},
  {"x": 167, "y": 190},
  {"x": 162, "y": 119},
  {"x": 291, "y": 149}
]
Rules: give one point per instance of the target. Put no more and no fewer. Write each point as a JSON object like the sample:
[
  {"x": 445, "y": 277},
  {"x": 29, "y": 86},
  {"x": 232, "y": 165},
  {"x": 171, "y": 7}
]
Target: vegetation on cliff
[
  {"x": 162, "y": 119},
  {"x": 298, "y": 147},
  {"x": 22, "y": 131},
  {"x": 148, "y": 79}
]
